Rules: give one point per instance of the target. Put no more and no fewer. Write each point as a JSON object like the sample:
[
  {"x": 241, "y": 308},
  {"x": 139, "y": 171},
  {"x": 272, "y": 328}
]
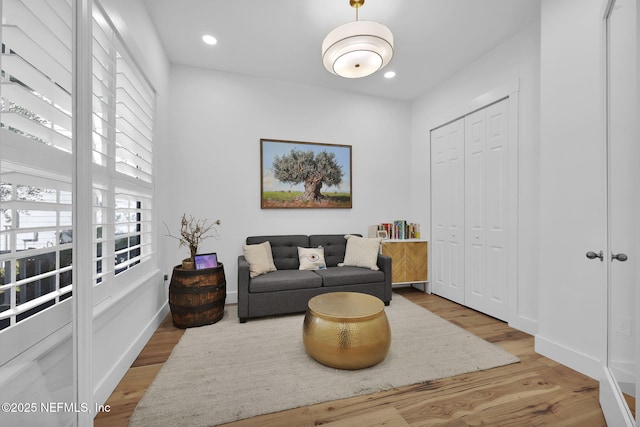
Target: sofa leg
[
  {"x": 387, "y": 303},
  {"x": 243, "y": 320}
]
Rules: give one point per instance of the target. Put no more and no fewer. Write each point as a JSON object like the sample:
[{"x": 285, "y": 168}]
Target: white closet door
[
  {"x": 486, "y": 174},
  {"x": 447, "y": 210},
  {"x": 623, "y": 350}
]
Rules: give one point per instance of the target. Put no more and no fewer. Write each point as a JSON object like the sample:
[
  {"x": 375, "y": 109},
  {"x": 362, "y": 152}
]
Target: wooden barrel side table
[
  {"x": 197, "y": 297},
  {"x": 346, "y": 330}
]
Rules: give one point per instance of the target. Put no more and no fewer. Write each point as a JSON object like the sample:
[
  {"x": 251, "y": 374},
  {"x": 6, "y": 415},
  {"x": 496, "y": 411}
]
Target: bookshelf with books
[
  {"x": 408, "y": 251},
  {"x": 398, "y": 229}
]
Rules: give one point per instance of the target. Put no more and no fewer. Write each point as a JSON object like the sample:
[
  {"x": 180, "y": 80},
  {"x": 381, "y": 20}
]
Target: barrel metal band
[
  {"x": 197, "y": 308},
  {"x": 196, "y": 290}
]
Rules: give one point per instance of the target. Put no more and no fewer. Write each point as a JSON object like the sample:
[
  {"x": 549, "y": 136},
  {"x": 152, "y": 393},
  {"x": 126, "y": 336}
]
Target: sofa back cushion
[
  {"x": 284, "y": 249},
  {"x": 334, "y": 246}
]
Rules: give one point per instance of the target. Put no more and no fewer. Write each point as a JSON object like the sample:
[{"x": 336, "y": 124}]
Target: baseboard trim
[
  {"x": 583, "y": 363},
  {"x": 525, "y": 325},
  {"x": 103, "y": 390},
  {"x": 232, "y": 298}
]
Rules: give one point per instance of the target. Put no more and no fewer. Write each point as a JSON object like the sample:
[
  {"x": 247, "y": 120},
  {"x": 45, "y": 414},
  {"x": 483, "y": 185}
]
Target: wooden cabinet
[{"x": 409, "y": 257}]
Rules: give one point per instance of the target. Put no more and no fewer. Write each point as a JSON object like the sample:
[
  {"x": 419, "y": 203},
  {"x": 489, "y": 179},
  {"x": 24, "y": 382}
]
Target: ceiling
[{"x": 281, "y": 39}]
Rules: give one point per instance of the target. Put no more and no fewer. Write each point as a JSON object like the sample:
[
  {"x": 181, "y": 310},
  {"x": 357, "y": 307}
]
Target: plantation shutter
[
  {"x": 123, "y": 163},
  {"x": 35, "y": 159}
]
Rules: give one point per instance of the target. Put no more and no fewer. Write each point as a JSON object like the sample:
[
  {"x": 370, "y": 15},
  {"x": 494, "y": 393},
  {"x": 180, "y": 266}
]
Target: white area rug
[{"x": 229, "y": 371}]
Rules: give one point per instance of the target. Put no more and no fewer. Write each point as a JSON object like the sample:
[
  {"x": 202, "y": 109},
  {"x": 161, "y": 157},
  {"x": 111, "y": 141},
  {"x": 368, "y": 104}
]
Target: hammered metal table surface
[
  {"x": 346, "y": 330},
  {"x": 346, "y": 305}
]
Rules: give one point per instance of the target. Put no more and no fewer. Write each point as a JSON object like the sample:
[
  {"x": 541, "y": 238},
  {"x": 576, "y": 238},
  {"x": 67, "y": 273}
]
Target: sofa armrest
[
  {"x": 243, "y": 288},
  {"x": 384, "y": 264}
]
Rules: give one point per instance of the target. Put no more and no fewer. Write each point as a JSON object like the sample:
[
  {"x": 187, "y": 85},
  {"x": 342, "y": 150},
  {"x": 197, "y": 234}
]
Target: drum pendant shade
[{"x": 357, "y": 49}]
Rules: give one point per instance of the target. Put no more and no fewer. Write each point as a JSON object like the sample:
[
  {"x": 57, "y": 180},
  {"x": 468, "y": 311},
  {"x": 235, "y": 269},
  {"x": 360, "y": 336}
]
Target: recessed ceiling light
[
  {"x": 209, "y": 39},
  {"x": 390, "y": 74}
]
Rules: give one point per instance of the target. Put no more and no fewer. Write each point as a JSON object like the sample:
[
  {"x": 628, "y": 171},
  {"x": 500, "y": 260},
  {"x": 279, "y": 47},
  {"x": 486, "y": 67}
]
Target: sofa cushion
[
  {"x": 334, "y": 247},
  {"x": 339, "y": 276},
  {"x": 284, "y": 249},
  {"x": 311, "y": 258},
  {"x": 283, "y": 280},
  {"x": 259, "y": 258},
  {"x": 361, "y": 252}
]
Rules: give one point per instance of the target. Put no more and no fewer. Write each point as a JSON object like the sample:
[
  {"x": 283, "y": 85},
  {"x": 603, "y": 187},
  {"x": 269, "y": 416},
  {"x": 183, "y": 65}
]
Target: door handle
[
  {"x": 620, "y": 257},
  {"x": 593, "y": 255}
]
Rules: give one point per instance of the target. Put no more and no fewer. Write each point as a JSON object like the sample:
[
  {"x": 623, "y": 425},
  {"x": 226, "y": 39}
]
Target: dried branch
[{"x": 193, "y": 232}]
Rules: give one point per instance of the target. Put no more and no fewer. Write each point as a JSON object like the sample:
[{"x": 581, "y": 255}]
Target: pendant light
[{"x": 357, "y": 49}]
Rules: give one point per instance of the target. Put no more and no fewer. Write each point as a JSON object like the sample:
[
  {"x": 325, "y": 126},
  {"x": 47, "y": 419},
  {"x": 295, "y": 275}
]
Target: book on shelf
[{"x": 399, "y": 229}]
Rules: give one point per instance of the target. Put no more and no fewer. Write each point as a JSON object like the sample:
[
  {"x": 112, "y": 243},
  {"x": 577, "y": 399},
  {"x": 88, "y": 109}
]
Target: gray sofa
[{"x": 289, "y": 289}]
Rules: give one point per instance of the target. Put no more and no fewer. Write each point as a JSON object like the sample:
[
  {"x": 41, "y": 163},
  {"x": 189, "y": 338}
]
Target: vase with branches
[{"x": 192, "y": 233}]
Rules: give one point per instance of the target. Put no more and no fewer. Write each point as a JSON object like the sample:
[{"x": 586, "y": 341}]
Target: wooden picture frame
[
  {"x": 382, "y": 234},
  {"x": 291, "y": 178}
]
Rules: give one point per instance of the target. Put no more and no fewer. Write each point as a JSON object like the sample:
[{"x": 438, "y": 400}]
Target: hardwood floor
[{"x": 537, "y": 391}]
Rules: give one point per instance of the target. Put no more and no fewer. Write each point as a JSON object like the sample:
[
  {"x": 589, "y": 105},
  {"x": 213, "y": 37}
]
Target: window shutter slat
[
  {"x": 27, "y": 99},
  {"x": 37, "y": 81},
  {"x": 47, "y": 135},
  {"x": 29, "y": 49}
]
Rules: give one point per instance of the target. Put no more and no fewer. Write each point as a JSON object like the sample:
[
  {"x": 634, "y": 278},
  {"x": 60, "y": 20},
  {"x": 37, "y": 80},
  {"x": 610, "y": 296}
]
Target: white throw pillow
[
  {"x": 361, "y": 252},
  {"x": 260, "y": 258},
  {"x": 311, "y": 258}
]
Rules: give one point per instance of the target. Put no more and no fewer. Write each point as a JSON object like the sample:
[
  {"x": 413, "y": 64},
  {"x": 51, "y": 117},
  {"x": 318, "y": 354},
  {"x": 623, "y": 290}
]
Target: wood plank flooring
[{"x": 535, "y": 392}]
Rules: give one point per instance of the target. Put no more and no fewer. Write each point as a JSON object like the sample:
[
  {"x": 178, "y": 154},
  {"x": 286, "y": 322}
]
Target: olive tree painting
[{"x": 304, "y": 175}]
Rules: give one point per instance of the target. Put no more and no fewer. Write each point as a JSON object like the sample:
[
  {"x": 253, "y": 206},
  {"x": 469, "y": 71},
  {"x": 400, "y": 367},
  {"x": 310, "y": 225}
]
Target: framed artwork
[{"x": 304, "y": 175}]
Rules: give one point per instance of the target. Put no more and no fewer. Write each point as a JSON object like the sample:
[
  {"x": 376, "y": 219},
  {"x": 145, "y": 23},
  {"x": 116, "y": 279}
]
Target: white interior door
[
  {"x": 620, "y": 382},
  {"x": 486, "y": 210},
  {"x": 447, "y": 210}
]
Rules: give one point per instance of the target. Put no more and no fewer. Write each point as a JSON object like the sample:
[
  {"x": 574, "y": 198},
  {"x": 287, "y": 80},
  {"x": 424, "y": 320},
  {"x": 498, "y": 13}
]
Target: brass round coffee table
[{"x": 346, "y": 330}]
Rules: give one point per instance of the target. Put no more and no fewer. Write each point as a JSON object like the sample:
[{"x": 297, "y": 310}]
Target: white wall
[
  {"x": 572, "y": 185},
  {"x": 515, "y": 63},
  {"x": 211, "y": 168}
]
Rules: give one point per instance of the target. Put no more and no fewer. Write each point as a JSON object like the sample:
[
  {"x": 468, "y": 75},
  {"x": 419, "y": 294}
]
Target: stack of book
[{"x": 398, "y": 229}]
